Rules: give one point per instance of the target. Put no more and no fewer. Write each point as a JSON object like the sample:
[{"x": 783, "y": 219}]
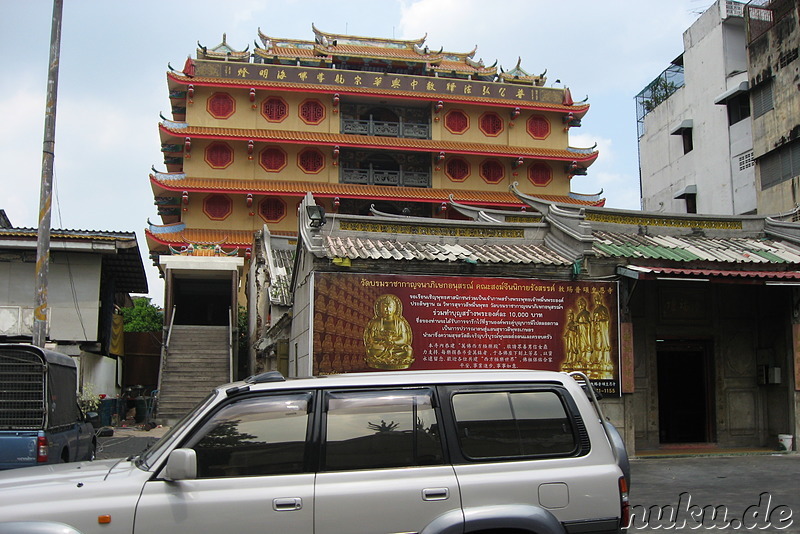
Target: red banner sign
[{"x": 368, "y": 322}]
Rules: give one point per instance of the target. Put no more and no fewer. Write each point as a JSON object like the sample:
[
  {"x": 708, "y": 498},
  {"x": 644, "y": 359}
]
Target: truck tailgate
[{"x": 17, "y": 448}]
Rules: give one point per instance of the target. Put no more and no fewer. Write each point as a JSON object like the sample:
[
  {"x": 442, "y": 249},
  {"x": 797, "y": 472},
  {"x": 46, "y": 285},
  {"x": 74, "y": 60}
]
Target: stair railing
[
  {"x": 165, "y": 348},
  {"x": 230, "y": 344},
  {"x": 169, "y": 329}
]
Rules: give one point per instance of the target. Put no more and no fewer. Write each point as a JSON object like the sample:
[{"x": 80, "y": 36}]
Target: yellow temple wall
[
  {"x": 514, "y": 132},
  {"x": 239, "y": 218},
  {"x": 246, "y": 117}
]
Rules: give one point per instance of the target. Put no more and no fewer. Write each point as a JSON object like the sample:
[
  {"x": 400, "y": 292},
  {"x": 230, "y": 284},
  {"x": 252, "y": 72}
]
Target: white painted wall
[
  {"x": 73, "y": 294},
  {"x": 714, "y": 61}
]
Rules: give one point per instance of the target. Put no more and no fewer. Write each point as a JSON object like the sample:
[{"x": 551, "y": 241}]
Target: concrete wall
[
  {"x": 770, "y": 58},
  {"x": 73, "y": 294},
  {"x": 714, "y": 61}
]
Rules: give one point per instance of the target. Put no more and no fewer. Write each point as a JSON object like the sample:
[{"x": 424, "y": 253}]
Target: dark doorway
[
  {"x": 202, "y": 301},
  {"x": 685, "y": 392}
]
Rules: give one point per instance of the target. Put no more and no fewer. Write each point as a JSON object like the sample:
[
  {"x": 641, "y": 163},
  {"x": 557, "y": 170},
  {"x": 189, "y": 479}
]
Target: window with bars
[
  {"x": 456, "y": 121},
  {"x": 492, "y": 171},
  {"x": 272, "y": 159},
  {"x": 311, "y": 160},
  {"x": 746, "y": 160},
  {"x": 538, "y": 127},
  {"x": 457, "y": 169},
  {"x": 274, "y": 109},
  {"x": 221, "y": 105},
  {"x": 272, "y": 209},
  {"x": 217, "y": 207},
  {"x": 780, "y": 165},
  {"x": 219, "y": 155},
  {"x": 762, "y": 99},
  {"x": 491, "y": 124},
  {"x": 540, "y": 174},
  {"x": 312, "y": 112}
]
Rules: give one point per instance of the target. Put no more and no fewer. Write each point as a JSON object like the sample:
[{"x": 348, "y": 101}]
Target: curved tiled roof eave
[
  {"x": 330, "y": 190},
  {"x": 365, "y": 141}
]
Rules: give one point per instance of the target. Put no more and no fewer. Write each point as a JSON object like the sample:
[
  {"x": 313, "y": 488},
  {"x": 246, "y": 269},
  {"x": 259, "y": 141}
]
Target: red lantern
[
  {"x": 253, "y": 97},
  {"x": 336, "y": 102},
  {"x": 336, "y": 203},
  {"x": 190, "y": 93},
  {"x": 443, "y": 208},
  {"x": 438, "y": 107},
  {"x": 249, "y": 200},
  {"x": 250, "y": 146},
  {"x": 247, "y": 253},
  {"x": 187, "y": 145}
]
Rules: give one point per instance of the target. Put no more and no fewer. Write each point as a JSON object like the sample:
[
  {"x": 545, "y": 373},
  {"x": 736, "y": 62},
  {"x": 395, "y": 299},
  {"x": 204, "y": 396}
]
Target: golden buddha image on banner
[{"x": 373, "y": 322}]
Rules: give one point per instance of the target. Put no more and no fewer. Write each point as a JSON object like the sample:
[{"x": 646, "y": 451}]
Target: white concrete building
[{"x": 694, "y": 125}]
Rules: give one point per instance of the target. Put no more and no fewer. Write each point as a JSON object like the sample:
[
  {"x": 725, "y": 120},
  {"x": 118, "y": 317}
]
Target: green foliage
[
  {"x": 244, "y": 334},
  {"x": 143, "y": 317},
  {"x": 88, "y": 399}
]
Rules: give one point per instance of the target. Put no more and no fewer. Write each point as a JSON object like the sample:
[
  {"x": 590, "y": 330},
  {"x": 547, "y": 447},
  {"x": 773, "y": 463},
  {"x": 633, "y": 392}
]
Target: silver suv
[{"x": 372, "y": 453}]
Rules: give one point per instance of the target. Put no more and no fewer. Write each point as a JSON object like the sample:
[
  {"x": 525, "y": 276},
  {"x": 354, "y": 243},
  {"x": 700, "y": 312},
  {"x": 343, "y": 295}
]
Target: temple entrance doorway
[{"x": 685, "y": 392}]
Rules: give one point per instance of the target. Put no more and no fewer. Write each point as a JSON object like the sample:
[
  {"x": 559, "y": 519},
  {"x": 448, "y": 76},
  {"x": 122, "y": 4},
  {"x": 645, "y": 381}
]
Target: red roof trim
[
  {"x": 341, "y": 140},
  {"x": 652, "y": 272}
]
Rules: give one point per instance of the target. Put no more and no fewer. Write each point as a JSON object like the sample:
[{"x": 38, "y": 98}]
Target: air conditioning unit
[{"x": 16, "y": 321}]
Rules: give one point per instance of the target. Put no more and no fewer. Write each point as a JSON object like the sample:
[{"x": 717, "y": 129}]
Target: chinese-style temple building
[{"x": 360, "y": 123}]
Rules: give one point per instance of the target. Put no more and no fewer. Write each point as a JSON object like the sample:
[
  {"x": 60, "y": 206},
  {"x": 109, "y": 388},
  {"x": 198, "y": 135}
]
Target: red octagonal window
[
  {"x": 274, "y": 109},
  {"x": 457, "y": 169},
  {"x": 491, "y": 124},
  {"x": 540, "y": 174},
  {"x": 312, "y": 111},
  {"x": 538, "y": 127},
  {"x": 456, "y": 121},
  {"x": 217, "y": 207},
  {"x": 311, "y": 160},
  {"x": 272, "y": 159},
  {"x": 221, "y": 105},
  {"x": 272, "y": 209},
  {"x": 219, "y": 155},
  {"x": 492, "y": 171}
]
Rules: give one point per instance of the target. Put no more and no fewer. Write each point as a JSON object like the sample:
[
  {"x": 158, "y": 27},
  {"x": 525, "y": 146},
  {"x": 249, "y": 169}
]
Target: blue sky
[{"x": 114, "y": 56}]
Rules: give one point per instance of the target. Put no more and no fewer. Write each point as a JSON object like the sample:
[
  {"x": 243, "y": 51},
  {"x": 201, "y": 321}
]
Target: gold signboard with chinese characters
[{"x": 375, "y": 82}]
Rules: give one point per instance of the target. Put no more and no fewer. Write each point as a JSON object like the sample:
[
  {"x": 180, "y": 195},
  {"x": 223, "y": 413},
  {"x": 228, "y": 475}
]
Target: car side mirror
[
  {"x": 181, "y": 465},
  {"x": 93, "y": 418}
]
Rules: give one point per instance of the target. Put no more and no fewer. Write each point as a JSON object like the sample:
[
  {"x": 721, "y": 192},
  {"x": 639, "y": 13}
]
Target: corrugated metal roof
[
  {"x": 694, "y": 248},
  {"x": 396, "y": 249}
]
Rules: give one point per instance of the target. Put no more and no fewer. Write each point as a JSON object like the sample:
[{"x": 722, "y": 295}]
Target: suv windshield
[{"x": 146, "y": 459}]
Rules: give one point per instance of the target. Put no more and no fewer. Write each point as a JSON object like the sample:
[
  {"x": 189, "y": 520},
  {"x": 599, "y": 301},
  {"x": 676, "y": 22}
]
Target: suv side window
[
  {"x": 378, "y": 429},
  {"x": 254, "y": 436},
  {"x": 509, "y": 424}
]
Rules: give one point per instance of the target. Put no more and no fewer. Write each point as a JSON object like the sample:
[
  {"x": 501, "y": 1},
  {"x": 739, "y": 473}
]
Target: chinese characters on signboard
[
  {"x": 390, "y": 322},
  {"x": 362, "y": 81}
]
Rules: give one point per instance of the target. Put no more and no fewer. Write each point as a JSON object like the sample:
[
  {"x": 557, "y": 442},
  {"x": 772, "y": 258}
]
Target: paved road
[{"x": 760, "y": 490}]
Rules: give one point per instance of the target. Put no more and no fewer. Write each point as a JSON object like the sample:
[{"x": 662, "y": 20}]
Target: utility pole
[{"x": 46, "y": 190}]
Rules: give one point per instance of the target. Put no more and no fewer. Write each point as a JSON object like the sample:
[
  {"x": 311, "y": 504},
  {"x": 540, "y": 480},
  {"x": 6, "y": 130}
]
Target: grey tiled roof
[
  {"x": 409, "y": 249},
  {"x": 280, "y": 291},
  {"x": 749, "y": 250}
]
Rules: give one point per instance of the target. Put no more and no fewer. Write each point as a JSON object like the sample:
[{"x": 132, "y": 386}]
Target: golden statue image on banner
[
  {"x": 387, "y": 336},
  {"x": 587, "y": 339}
]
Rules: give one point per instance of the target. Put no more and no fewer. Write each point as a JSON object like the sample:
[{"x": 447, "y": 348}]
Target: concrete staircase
[{"x": 197, "y": 361}]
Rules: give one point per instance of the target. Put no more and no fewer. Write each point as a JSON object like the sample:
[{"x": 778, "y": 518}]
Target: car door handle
[
  {"x": 435, "y": 494},
  {"x": 287, "y": 504}
]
